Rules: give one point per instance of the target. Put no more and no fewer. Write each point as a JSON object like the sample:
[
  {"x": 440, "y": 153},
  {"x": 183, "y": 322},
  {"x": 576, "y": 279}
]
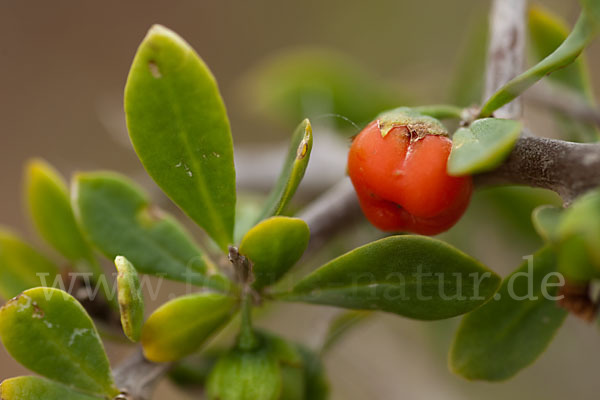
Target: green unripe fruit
[{"x": 245, "y": 375}]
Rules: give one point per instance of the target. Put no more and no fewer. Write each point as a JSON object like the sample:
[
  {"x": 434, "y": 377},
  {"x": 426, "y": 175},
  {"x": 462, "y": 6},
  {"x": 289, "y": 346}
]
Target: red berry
[{"x": 402, "y": 183}]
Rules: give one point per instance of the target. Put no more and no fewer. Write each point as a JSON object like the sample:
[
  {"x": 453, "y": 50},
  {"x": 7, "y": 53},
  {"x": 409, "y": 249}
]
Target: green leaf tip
[
  {"x": 131, "y": 299},
  {"x": 482, "y": 146},
  {"x": 179, "y": 128},
  {"x": 292, "y": 172}
]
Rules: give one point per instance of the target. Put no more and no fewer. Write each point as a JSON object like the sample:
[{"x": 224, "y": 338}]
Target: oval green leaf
[
  {"x": 482, "y": 146},
  {"x": 496, "y": 341},
  {"x": 49, "y": 332},
  {"x": 118, "y": 219},
  {"x": 546, "y": 220},
  {"x": 180, "y": 327},
  {"x": 245, "y": 375},
  {"x": 414, "y": 276},
  {"x": 583, "y": 218},
  {"x": 34, "y": 388},
  {"x": 582, "y": 33},
  {"x": 292, "y": 173},
  {"x": 21, "y": 266},
  {"x": 131, "y": 299},
  {"x": 579, "y": 234},
  {"x": 274, "y": 246},
  {"x": 50, "y": 209},
  {"x": 179, "y": 128}
]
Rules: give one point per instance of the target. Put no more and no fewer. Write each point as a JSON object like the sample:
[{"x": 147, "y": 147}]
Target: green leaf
[
  {"x": 583, "y": 218},
  {"x": 507, "y": 334},
  {"x": 546, "y": 220},
  {"x": 274, "y": 246},
  {"x": 575, "y": 261},
  {"x": 34, "y": 388},
  {"x": 180, "y": 327},
  {"x": 317, "y": 83},
  {"x": 316, "y": 383},
  {"x": 119, "y": 220},
  {"x": 582, "y": 33},
  {"x": 245, "y": 375},
  {"x": 291, "y": 366},
  {"x": 547, "y": 32},
  {"x": 292, "y": 173},
  {"x": 579, "y": 234},
  {"x": 414, "y": 276},
  {"x": 179, "y": 128},
  {"x": 50, "y": 208},
  {"x": 20, "y": 265},
  {"x": 131, "y": 299},
  {"x": 49, "y": 332},
  {"x": 482, "y": 146}
]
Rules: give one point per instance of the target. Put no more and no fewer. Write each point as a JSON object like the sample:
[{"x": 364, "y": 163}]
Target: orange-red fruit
[{"x": 402, "y": 184}]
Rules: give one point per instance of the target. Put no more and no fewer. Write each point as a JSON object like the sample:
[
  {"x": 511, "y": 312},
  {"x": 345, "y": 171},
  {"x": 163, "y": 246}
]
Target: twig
[
  {"x": 137, "y": 377},
  {"x": 506, "y": 52},
  {"x": 563, "y": 100},
  {"x": 569, "y": 169},
  {"x": 331, "y": 212}
]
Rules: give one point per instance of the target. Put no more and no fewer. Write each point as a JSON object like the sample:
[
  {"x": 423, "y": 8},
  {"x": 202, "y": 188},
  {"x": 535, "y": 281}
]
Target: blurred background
[{"x": 63, "y": 69}]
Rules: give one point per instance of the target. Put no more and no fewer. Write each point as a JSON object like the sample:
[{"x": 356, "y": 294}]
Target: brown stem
[
  {"x": 569, "y": 169},
  {"x": 506, "y": 51},
  {"x": 137, "y": 377}
]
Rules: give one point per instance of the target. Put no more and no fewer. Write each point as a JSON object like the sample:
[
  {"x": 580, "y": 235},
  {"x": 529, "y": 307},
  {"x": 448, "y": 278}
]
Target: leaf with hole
[
  {"x": 274, "y": 246},
  {"x": 482, "y": 146},
  {"x": 131, "y": 299},
  {"x": 413, "y": 276},
  {"x": 292, "y": 173},
  {"x": 118, "y": 219},
  {"x": 34, "y": 388},
  {"x": 21, "y": 266},
  {"x": 180, "y": 131},
  {"x": 582, "y": 33},
  {"x": 49, "y": 332},
  {"x": 180, "y": 327},
  {"x": 496, "y": 341}
]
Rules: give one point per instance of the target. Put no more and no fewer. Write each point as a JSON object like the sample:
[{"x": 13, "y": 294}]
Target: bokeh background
[{"x": 63, "y": 66}]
